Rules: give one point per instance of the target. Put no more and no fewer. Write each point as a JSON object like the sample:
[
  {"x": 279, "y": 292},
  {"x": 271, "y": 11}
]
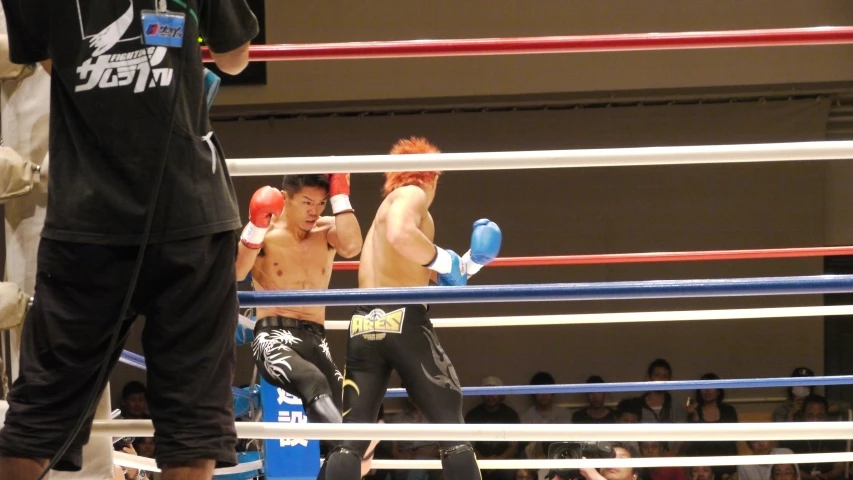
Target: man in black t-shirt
[
  {"x": 128, "y": 125},
  {"x": 596, "y": 411},
  {"x": 493, "y": 410}
]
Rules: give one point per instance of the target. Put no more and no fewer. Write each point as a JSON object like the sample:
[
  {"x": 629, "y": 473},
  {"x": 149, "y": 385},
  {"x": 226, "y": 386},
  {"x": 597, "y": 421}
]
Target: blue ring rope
[
  {"x": 138, "y": 361},
  {"x": 647, "y": 386},
  {"x": 729, "y": 287}
]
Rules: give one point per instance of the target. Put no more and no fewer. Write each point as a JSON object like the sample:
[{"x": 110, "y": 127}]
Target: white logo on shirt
[{"x": 105, "y": 70}]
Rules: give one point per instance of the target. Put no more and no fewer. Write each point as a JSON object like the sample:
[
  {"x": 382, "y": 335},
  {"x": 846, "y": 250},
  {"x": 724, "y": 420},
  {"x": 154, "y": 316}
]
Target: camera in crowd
[
  {"x": 121, "y": 443},
  {"x": 576, "y": 450}
]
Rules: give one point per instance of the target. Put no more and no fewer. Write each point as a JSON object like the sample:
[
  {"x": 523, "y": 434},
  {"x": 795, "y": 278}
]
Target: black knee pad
[
  {"x": 343, "y": 464},
  {"x": 459, "y": 462},
  {"x": 323, "y": 410}
]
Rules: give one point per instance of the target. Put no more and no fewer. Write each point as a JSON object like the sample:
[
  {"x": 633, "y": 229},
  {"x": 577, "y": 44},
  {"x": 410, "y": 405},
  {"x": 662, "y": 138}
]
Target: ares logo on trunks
[{"x": 377, "y": 323}]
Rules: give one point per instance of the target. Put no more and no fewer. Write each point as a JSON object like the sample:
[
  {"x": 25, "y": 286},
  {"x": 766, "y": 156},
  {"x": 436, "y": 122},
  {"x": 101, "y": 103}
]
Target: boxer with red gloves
[
  {"x": 399, "y": 251},
  {"x": 288, "y": 245}
]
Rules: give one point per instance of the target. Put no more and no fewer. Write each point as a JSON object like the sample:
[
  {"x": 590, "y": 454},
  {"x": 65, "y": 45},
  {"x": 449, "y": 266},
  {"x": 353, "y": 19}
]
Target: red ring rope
[
  {"x": 556, "y": 44},
  {"x": 754, "y": 254}
]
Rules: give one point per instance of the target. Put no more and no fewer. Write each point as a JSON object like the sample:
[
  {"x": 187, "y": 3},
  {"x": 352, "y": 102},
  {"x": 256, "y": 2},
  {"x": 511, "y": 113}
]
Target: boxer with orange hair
[
  {"x": 399, "y": 252},
  {"x": 423, "y": 180}
]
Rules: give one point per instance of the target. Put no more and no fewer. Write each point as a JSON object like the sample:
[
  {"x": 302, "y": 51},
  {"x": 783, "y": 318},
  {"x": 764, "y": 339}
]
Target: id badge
[{"x": 162, "y": 29}]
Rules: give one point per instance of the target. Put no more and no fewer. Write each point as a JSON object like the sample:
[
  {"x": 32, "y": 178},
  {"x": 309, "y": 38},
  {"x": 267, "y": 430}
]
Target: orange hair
[{"x": 412, "y": 145}]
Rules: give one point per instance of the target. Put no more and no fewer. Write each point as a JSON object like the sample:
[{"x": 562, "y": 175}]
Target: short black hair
[
  {"x": 293, "y": 183},
  {"x": 629, "y": 405},
  {"x": 659, "y": 363},
  {"x": 132, "y": 387},
  {"x": 815, "y": 399},
  {"x": 594, "y": 379},
  {"x": 542, "y": 378}
]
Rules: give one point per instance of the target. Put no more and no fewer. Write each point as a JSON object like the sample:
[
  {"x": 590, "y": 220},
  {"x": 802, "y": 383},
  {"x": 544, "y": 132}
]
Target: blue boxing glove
[
  {"x": 211, "y": 87},
  {"x": 450, "y": 268},
  {"x": 485, "y": 245}
]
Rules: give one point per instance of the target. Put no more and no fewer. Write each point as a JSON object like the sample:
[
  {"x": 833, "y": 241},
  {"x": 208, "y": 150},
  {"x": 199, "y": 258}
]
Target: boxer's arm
[
  {"x": 345, "y": 235},
  {"x": 245, "y": 260},
  {"x": 402, "y": 226}
]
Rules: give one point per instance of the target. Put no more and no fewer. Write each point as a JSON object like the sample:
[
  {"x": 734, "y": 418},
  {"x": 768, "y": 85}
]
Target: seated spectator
[
  {"x": 133, "y": 402},
  {"x": 657, "y": 405},
  {"x": 144, "y": 446},
  {"x": 788, "y": 411},
  {"x": 709, "y": 408},
  {"x": 701, "y": 473},
  {"x": 414, "y": 450},
  {"x": 543, "y": 409},
  {"x": 525, "y": 475},
  {"x": 596, "y": 411},
  {"x": 656, "y": 449},
  {"x": 128, "y": 473},
  {"x": 536, "y": 451},
  {"x": 383, "y": 451},
  {"x": 629, "y": 410},
  {"x": 760, "y": 472},
  {"x": 493, "y": 410},
  {"x": 785, "y": 471},
  {"x": 622, "y": 450},
  {"x": 814, "y": 409}
]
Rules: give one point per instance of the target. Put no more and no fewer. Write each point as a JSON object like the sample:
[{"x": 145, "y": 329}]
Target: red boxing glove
[
  {"x": 266, "y": 202},
  {"x": 339, "y": 192}
]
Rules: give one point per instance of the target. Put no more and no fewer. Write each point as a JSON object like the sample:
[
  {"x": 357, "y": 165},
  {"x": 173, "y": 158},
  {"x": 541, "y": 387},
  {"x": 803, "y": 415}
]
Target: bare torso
[
  {"x": 291, "y": 263},
  {"x": 381, "y": 265}
]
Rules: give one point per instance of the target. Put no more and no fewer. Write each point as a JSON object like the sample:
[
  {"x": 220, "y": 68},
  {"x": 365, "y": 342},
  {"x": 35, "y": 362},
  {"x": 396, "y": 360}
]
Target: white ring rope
[
  {"x": 562, "y": 432},
  {"x": 150, "y": 465},
  {"x": 628, "y": 317},
  {"x": 604, "y": 157},
  {"x": 626, "y": 462}
]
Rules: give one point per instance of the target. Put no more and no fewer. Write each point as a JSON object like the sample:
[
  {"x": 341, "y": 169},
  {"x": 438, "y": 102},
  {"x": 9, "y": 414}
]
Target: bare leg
[
  {"x": 367, "y": 461},
  {"x": 192, "y": 470},
  {"x": 22, "y": 468}
]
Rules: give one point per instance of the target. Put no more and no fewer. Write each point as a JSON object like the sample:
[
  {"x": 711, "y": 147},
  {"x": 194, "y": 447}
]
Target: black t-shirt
[
  {"x": 111, "y": 99},
  {"x": 581, "y": 416},
  {"x": 503, "y": 415},
  {"x": 815, "y": 446}
]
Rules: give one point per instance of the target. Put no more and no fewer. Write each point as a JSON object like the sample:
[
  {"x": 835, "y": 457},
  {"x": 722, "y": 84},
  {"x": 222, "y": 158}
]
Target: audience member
[
  {"x": 622, "y": 450},
  {"x": 701, "y": 473},
  {"x": 414, "y": 450},
  {"x": 814, "y": 409},
  {"x": 760, "y": 472},
  {"x": 596, "y": 411},
  {"x": 493, "y": 410},
  {"x": 785, "y": 471},
  {"x": 133, "y": 402},
  {"x": 629, "y": 410},
  {"x": 543, "y": 409},
  {"x": 657, "y": 406},
  {"x": 709, "y": 408},
  {"x": 788, "y": 411},
  {"x": 657, "y": 449}
]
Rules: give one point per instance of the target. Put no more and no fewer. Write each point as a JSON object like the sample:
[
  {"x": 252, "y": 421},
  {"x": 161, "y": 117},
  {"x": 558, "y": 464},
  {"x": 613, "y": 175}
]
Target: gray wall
[
  {"x": 306, "y": 21},
  {"x": 603, "y": 210}
]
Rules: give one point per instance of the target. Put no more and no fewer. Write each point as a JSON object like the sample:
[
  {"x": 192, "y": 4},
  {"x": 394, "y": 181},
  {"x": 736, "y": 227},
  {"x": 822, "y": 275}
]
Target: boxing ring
[{"x": 617, "y": 157}]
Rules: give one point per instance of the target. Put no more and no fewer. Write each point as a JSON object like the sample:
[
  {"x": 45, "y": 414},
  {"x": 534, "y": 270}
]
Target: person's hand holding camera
[
  {"x": 132, "y": 473},
  {"x": 591, "y": 473}
]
